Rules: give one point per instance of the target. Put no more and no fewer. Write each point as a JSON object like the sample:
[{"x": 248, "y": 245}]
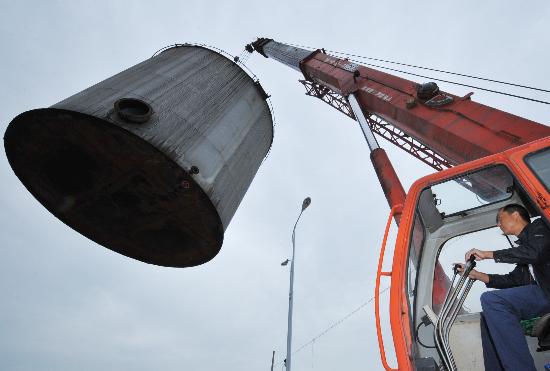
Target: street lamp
[{"x": 305, "y": 204}]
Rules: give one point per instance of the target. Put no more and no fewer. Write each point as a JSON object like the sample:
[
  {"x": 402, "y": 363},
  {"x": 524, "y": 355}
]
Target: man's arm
[
  {"x": 534, "y": 250},
  {"x": 518, "y": 277},
  {"x": 476, "y": 275},
  {"x": 480, "y": 276},
  {"x": 479, "y": 254}
]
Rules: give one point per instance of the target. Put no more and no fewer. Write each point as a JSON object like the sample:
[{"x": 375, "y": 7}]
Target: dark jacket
[{"x": 533, "y": 248}]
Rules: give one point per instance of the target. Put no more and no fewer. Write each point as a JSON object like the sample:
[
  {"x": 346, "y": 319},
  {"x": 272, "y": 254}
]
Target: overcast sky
[{"x": 67, "y": 303}]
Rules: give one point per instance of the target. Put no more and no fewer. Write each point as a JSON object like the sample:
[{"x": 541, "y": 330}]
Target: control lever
[{"x": 451, "y": 307}]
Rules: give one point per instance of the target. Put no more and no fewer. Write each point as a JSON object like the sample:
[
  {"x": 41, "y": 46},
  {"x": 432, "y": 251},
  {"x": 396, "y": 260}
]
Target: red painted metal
[
  {"x": 389, "y": 181},
  {"x": 407, "y": 143},
  {"x": 328, "y": 96},
  {"x": 386, "y": 130},
  {"x": 459, "y": 131},
  {"x": 395, "y": 210}
]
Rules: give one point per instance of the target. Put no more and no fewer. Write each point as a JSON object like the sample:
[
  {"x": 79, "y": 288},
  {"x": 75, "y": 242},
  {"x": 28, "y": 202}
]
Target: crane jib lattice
[{"x": 379, "y": 126}]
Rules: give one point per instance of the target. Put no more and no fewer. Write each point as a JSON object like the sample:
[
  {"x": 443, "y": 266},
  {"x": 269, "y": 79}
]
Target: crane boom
[{"x": 455, "y": 128}]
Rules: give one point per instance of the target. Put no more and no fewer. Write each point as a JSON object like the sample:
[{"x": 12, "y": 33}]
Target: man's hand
[
  {"x": 479, "y": 254},
  {"x": 476, "y": 275}
]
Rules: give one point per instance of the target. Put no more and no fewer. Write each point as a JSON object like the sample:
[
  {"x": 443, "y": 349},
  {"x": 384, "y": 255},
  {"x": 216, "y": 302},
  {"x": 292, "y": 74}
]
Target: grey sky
[{"x": 68, "y": 303}]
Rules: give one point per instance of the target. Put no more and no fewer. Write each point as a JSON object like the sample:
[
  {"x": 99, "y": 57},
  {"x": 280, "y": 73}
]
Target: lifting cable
[
  {"x": 443, "y": 71},
  {"x": 437, "y": 70},
  {"x": 335, "y": 324},
  {"x": 454, "y": 83}
]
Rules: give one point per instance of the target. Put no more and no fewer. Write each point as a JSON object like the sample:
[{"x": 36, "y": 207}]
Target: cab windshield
[{"x": 473, "y": 190}]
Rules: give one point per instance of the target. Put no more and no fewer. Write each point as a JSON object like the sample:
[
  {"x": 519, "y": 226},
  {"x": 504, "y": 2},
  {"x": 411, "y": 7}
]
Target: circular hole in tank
[
  {"x": 70, "y": 170},
  {"x": 133, "y": 110}
]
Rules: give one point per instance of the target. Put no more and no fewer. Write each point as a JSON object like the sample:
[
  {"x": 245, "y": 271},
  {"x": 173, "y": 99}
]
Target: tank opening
[
  {"x": 70, "y": 170},
  {"x": 133, "y": 110}
]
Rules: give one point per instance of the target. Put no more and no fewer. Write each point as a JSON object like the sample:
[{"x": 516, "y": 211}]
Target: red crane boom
[{"x": 442, "y": 128}]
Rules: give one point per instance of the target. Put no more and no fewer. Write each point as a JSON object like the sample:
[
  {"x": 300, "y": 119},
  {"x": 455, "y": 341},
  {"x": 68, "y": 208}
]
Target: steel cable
[
  {"x": 454, "y": 83},
  {"x": 438, "y": 79}
]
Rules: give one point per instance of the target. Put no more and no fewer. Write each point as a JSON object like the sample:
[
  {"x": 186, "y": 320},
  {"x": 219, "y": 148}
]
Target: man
[{"x": 524, "y": 294}]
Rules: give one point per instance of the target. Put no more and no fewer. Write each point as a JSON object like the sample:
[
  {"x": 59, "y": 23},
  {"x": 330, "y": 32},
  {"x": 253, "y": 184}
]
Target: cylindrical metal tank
[{"x": 153, "y": 162}]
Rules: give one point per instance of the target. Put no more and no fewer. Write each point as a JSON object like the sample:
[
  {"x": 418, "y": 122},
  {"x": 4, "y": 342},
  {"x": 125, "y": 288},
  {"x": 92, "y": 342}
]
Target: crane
[
  {"x": 496, "y": 156},
  {"x": 146, "y": 169}
]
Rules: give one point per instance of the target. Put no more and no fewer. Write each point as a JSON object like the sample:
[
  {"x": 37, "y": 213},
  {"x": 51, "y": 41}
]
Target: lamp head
[{"x": 306, "y": 203}]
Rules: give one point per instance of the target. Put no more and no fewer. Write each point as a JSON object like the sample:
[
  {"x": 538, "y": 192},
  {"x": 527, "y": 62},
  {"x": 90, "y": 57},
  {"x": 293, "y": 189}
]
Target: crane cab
[{"x": 444, "y": 215}]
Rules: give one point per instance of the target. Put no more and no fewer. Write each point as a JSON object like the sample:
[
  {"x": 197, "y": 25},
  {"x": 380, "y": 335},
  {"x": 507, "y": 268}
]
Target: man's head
[{"x": 512, "y": 219}]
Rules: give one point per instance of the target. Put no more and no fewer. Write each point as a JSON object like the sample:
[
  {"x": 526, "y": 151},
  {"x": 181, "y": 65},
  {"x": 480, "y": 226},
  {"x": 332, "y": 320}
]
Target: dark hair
[{"x": 522, "y": 211}]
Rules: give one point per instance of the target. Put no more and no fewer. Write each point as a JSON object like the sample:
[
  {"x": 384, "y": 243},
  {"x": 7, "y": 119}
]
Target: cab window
[
  {"x": 539, "y": 163},
  {"x": 473, "y": 190},
  {"x": 454, "y": 249}
]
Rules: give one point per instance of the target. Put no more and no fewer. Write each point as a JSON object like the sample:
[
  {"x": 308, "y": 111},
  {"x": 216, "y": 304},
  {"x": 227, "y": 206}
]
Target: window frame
[
  {"x": 412, "y": 306},
  {"x": 525, "y": 161},
  {"x": 465, "y": 211}
]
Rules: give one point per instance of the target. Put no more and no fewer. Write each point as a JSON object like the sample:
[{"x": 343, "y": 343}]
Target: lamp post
[{"x": 288, "y": 361}]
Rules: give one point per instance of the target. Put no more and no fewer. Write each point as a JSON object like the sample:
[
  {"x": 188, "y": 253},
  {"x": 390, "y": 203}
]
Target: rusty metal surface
[
  {"x": 384, "y": 129},
  {"x": 162, "y": 191},
  {"x": 455, "y": 128},
  {"x": 389, "y": 181},
  {"x": 459, "y": 131}
]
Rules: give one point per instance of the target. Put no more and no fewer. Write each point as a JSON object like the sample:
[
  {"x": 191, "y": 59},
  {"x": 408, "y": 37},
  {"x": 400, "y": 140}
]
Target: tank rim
[{"x": 12, "y": 140}]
